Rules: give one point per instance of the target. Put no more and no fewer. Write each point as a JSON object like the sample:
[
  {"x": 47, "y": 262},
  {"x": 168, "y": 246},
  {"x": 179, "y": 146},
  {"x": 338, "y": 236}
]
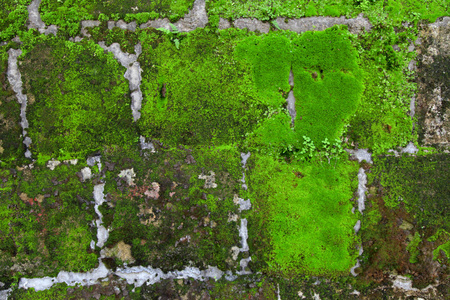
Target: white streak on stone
[
  {"x": 243, "y": 233},
  {"x": 252, "y": 25},
  {"x": 128, "y": 175},
  {"x": 357, "y": 265},
  {"x": 95, "y": 159},
  {"x": 146, "y": 146},
  {"x": 52, "y": 164},
  {"x": 86, "y": 174},
  {"x": 15, "y": 80},
  {"x": 244, "y": 265},
  {"x": 132, "y": 74},
  {"x": 86, "y": 24},
  {"x": 357, "y": 226},
  {"x": 245, "y": 157},
  {"x": 195, "y": 18},
  {"x": 35, "y": 21},
  {"x": 356, "y": 25},
  {"x": 362, "y": 181},
  {"x": 410, "y": 149},
  {"x": 360, "y": 155}
]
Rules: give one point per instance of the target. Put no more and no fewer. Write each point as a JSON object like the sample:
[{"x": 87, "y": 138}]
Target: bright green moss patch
[
  {"x": 418, "y": 182},
  {"x": 413, "y": 249},
  {"x": 327, "y": 83},
  {"x": 13, "y": 17},
  {"x": 79, "y": 99},
  {"x": 308, "y": 211},
  {"x": 270, "y": 59},
  {"x": 200, "y": 94}
]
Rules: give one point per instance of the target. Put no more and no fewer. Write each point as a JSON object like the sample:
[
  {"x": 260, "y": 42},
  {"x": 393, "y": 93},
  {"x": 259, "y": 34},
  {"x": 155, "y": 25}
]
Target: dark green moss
[
  {"x": 11, "y": 146},
  {"x": 13, "y": 17},
  {"x": 382, "y": 120},
  {"x": 374, "y": 10},
  {"x": 81, "y": 99},
  {"x": 168, "y": 212},
  {"x": 420, "y": 183}
]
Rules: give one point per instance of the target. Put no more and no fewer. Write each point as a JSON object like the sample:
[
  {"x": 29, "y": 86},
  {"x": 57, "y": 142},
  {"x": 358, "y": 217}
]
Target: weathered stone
[
  {"x": 433, "y": 98},
  {"x": 121, "y": 251}
]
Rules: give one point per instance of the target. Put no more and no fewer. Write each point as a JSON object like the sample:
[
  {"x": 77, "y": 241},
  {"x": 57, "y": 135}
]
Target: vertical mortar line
[
  {"x": 291, "y": 99},
  {"x": 361, "y": 154},
  {"x": 15, "y": 79}
]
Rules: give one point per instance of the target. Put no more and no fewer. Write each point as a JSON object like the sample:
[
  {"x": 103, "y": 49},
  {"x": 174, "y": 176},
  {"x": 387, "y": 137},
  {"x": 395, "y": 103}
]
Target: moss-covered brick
[{"x": 81, "y": 99}]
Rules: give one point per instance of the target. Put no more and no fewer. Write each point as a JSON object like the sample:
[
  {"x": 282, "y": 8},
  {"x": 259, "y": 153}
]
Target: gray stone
[
  {"x": 356, "y": 25},
  {"x": 224, "y": 23},
  {"x": 87, "y": 24},
  {"x": 34, "y": 18},
  {"x": 158, "y": 23},
  {"x": 196, "y": 17},
  {"x": 433, "y": 97},
  {"x": 252, "y": 25}
]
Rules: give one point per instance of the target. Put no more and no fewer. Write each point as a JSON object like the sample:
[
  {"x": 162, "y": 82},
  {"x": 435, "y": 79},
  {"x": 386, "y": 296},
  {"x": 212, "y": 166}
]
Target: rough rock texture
[
  {"x": 15, "y": 80},
  {"x": 433, "y": 99},
  {"x": 133, "y": 73},
  {"x": 121, "y": 251},
  {"x": 252, "y": 25},
  {"x": 34, "y": 18},
  {"x": 196, "y": 17},
  {"x": 321, "y": 23},
  {"x": 35, "y": 21},
  {"x": 86, "y": 24}
]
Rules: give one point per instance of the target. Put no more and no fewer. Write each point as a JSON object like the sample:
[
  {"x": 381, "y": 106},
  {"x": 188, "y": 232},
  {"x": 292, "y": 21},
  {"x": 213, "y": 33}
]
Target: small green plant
[
  {"x": 172, "y": 33},
  {"x": 308, "y": 148},
  {"x": 275, "y": 24}
]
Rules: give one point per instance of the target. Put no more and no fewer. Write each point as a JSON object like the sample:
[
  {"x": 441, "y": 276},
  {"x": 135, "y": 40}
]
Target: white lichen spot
[
  {"x": 52, "y": 164},
  {"x": 232, "y": 217},
  {"x": 128, "y": 175},
  {"x": 209, "y": 180},
  {"x": 121, "y": 251},
  {"x": 234, "y": 252},
  {"x": 86, "y": 174},
  {"x": 153, "y": 192}
]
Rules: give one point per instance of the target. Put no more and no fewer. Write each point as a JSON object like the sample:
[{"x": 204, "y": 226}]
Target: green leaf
[
  {"x": 275, "y": 24},
  {"x": 174, "y": 28},
  {"x": 166, "y": 31}
]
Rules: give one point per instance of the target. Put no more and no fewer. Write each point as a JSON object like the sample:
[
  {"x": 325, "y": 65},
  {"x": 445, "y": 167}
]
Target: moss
[
  {"x": 168, "y": 212},
  {"x": 324, "y": 103},
  {"x": 442, "y": 238},
  {"x": 81, "y": 99},
  {"x": 11, "y": 147},
  {"x": 382, "y": 120},
  {"x": 187, "y": 93},
  {"x": 13, "y": 17},
  {"x": 45, "y": 222},
  {"x": 270, "y": 59},
  {"x": 413, "y": 249},
  {"x": 419, "y": 183},
  {"x": 374, "y": 10},
  {"x": 308, "y": 215},
  {"x": 68, "y": 14}
]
